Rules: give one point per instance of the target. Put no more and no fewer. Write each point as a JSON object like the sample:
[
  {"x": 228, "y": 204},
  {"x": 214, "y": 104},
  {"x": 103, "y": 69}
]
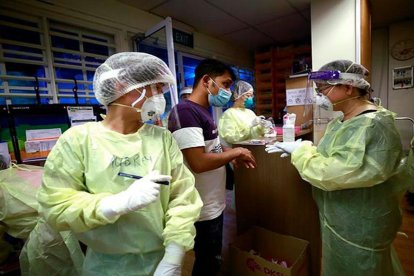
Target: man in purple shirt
[{"x": 196, "y": 133}]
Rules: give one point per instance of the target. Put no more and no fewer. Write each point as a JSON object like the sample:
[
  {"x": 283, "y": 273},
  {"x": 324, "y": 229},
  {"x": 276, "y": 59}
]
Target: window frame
[{"x": 46, "y": 28}]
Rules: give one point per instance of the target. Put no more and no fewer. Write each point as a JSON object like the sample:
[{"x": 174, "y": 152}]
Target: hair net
[
  {"x": 240, "y": 88},
  {"x": 186, "y": 90},
  {"x": 350, "y": 74},
  {"x": 124, "y": 72}
]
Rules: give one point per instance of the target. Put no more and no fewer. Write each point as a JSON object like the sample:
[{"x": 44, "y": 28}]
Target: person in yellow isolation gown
[
  {"x": 46, "y": 251},
  {"x": 352, "y": 172},
  {"x": 121, "y": 185},
  {"x": 239, "y": 123}
]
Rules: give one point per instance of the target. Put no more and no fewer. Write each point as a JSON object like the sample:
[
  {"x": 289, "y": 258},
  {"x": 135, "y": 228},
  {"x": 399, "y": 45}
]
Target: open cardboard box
[{"x": 268, "y": 244}]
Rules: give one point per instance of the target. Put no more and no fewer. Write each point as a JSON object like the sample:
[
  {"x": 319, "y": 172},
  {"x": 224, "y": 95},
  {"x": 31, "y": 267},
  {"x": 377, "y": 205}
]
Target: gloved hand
[
  {"x": 266, "y": 124},
  {"x": 273, "y": 148},
  {"x": 256, "y": 121},
  {"x": 170, "y": 264},
  {"x": 141, "y": 193},
  {"x": 286, "y": 147}
]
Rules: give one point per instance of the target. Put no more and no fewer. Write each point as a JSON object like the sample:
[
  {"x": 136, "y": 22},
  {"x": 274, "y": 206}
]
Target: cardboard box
[
  {"x": 299, "y": 83},
  {"x": 268, "y": 245}
]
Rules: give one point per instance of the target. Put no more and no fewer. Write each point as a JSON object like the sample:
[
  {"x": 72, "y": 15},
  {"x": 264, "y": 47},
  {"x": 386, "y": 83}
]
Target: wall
[
  {"x": 123, "y": 20},
  {"x": 401, "y": 101},
  {"x": 333, "y": 31},
  {"x": 334, "y": 36},
  {"x": 379, "y": 72}
]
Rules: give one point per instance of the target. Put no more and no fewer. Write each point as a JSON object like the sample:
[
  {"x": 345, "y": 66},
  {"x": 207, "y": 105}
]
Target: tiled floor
[{"x": 229, "y": 234}]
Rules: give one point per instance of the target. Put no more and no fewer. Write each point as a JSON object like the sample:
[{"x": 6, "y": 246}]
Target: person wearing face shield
[
  {"x": 352, "y": 175},
  {"x": 239, "y": 123},
  {"x": 196, "y": 133},
  {"x": 121, "y": 185}
]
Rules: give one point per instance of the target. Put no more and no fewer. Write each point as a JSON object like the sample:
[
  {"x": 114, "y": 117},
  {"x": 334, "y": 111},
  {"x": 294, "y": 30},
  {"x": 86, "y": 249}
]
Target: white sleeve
[{"x": 189, "y": 137}]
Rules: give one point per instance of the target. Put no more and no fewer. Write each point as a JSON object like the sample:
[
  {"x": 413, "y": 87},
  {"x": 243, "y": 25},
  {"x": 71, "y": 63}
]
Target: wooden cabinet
[
  {"x": 272, "y": 68},
  {"x": 275, "y": 197}
]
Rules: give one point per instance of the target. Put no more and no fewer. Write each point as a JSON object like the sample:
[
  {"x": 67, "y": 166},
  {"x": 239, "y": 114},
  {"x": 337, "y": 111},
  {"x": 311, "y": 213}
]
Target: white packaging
[{"x": 39, "y": 145}]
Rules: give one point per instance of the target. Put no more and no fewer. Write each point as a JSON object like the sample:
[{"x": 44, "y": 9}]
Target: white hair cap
[
  {"x": 186, "y": 90},
  {"x": 124, "y": 72},
  {"x": 242, "y": 87}
]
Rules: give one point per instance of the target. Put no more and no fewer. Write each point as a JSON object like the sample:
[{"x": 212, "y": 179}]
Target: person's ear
[
  {"x": 205, "y": 80},
  {"x": 348, "y": 89}
]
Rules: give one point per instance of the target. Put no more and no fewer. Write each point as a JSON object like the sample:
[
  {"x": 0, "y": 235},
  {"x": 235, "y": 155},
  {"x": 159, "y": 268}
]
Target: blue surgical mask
[
  {"x": 219, "y": 100},
  {"x": 248, "y": 103}
]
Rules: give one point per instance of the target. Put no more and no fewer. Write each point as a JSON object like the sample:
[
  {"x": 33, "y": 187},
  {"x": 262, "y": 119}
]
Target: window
[
  {"x": 22, "y": 57},
  {"x": 76, "y": 55},
  {"x": 244, "y": 74},
  {"x": 63, "y": 59}
]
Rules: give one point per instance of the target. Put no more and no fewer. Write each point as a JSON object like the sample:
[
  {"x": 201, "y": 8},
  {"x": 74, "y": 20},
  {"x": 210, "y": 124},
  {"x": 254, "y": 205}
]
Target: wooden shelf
[{"x": 272, "y": 68}]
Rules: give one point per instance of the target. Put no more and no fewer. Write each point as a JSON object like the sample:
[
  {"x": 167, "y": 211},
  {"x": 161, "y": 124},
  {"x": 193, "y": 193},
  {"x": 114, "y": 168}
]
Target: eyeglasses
[{"x": 319, "y": 90}]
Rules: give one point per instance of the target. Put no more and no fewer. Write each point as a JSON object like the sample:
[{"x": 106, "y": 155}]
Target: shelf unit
[{"x": 272, "y": 68}]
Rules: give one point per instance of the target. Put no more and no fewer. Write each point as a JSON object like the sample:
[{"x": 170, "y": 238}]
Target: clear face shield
[
  {"x": 316, "y": 104},
  {"x": 158, "y": 103},
  {"x": 326, "y": 79}
]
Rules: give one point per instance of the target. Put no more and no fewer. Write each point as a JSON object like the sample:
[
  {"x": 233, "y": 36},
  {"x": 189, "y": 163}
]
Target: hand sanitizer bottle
[{"x": 289, "y": 127}]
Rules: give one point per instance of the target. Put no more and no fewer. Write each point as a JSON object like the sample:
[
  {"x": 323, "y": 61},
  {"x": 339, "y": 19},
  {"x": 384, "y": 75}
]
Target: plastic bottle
[
  {"x": 289, "y": 127},
  {"x": 271, "y": 130}
]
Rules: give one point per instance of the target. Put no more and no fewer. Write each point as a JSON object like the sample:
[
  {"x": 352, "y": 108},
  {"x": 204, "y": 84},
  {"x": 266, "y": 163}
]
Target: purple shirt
[{"x": 193, "y": 126}]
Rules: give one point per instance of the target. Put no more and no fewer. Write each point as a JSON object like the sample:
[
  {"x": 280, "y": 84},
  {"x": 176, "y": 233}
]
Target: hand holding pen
[
  {"x": 163, "y": 182},
  {"x": 144, "y": 191}
]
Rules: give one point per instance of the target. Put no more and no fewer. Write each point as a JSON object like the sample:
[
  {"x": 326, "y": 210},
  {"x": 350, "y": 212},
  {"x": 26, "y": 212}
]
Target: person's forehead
[{"x": 226, "y": 77}]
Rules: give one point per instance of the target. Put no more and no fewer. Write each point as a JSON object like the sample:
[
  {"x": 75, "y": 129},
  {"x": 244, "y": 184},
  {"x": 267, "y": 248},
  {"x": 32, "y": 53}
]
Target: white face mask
[
  {"x": 153, "y": 108},
  {"x": 324, "y": 102}
]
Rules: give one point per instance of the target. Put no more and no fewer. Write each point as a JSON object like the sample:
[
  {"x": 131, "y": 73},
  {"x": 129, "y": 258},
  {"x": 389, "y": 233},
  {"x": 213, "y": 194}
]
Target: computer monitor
[
  {"x": 99, "y": 110},
  {"x": 39, "y": 120},
  {"x": 5, "y": 134}
]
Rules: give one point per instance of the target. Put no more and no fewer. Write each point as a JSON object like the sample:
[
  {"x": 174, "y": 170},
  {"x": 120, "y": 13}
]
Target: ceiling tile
[
  {"x": 298, "y": 29},
  {"x": 254, "y": 12},
  {"x": 385, "y": 13},
  {"x": 300, "y": 4},
  {"x": 201, "y": 15},
  {"x": 249, "y": 38},
  {"x": 143, "y": 4}
]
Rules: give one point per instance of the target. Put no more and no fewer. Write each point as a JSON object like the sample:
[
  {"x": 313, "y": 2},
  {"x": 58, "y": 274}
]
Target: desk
[{"x": 275, "y": 197}]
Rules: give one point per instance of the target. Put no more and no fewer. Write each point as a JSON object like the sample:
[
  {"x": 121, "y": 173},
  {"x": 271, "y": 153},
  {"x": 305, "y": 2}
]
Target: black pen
[{"x": 139, "y": 177}]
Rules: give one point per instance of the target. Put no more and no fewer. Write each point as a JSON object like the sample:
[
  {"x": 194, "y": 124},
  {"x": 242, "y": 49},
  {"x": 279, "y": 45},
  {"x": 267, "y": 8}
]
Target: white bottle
[
  {"x": 288, "y": 133},
  {"x": 289, "y": 128}
]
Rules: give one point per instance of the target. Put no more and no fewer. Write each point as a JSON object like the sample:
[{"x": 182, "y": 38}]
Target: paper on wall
[
  {"x": 79, "y": 115},
  {"x": 4, "y": 153},
  {"x": 36, "y": 134},
  {"x": 298, "y": 96},
  {"x": 39, "y": 145}
]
